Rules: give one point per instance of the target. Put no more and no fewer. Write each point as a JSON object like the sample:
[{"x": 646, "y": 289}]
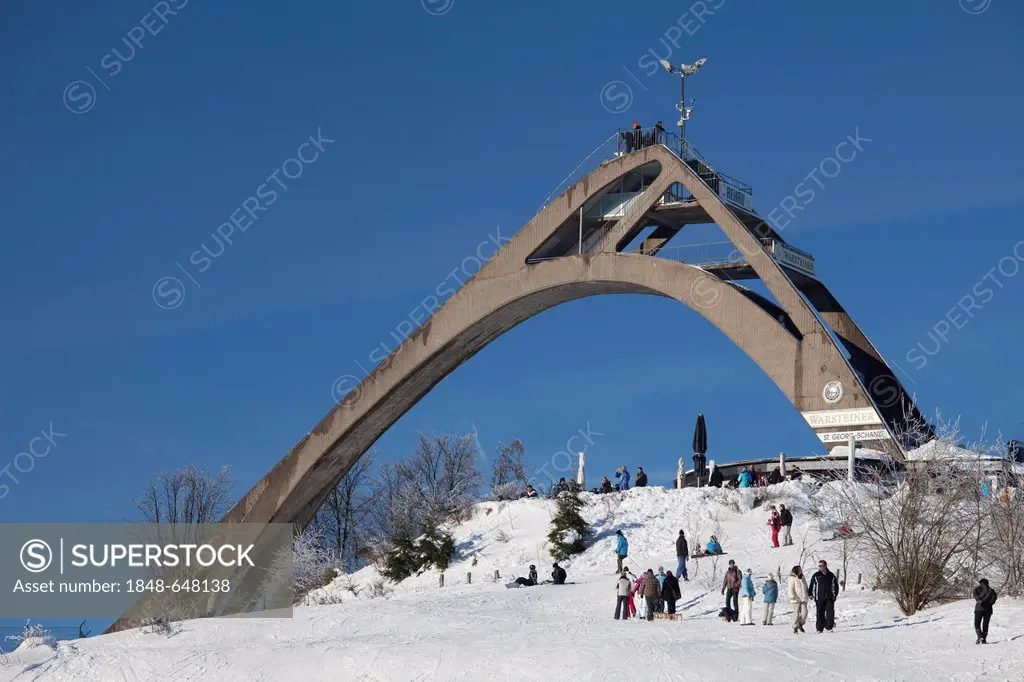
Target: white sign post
[
  {"x": 679, "y": 474},
  {"x": 580, "y": 472}
]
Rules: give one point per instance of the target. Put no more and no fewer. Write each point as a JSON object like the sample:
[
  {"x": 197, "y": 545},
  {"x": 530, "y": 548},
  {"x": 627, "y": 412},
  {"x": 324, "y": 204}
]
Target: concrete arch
[
  {"x": 486, "y": 309},
  {"x": 786, "y": 338}
]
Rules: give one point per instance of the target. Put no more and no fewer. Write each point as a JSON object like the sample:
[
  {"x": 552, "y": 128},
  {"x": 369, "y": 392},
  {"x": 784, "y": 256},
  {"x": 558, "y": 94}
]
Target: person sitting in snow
[
  {"x": 641, "y": 477},
  {"x": 563, "y": 487},
  {"x": 844, "y": 531},
  {"x": 714, "y": 546},
  {"x": 531, "y": 581},
  {"x": 623, "y": 475},
  {"x": 558, "y": 575},
  {"x": 529, "y": 492},
  {"x": 606, "y": 485}
]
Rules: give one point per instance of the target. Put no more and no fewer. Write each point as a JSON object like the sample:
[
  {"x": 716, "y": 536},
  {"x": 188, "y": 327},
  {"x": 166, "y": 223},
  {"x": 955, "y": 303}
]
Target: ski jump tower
[{"x": 581, "y": 244}]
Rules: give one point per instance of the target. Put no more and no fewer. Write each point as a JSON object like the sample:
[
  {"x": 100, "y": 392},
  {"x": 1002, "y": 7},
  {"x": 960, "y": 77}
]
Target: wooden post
[
  {"x": 440, "y": 580},
  {"x": 469, "y": 578},
  {"x": 497, "y": 576},
  {"x": 858, "y": 578}
]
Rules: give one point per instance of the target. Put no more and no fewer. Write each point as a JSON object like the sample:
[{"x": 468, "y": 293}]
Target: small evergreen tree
[
  {"x": 569, "y": 532},
  {"x": 433, "y": 549}
]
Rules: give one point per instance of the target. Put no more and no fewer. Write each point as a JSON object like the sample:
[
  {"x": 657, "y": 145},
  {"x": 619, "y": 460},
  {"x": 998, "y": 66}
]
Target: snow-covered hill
[{"x": 483, "y": 631}]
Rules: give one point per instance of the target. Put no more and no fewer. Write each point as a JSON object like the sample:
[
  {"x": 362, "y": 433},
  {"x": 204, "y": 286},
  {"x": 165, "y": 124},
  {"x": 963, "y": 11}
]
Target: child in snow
[
  {"x": 775, "y": 523},
  {"x": 770, "y": 592},
  {"x": 747, "y": 599},
  {"x": 638, "y": 608}
]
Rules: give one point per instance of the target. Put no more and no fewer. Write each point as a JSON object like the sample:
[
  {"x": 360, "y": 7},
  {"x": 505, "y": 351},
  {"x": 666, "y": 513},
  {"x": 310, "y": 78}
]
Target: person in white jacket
[
  {"x": 622, "y": 588},
  {"x": 798, "y": 598}
]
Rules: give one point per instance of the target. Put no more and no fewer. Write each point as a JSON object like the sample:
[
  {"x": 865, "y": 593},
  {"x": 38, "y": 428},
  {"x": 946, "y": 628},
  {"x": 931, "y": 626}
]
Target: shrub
[
  {"x": 433, "y": 549},
  {"x": 569, "y": 531}
]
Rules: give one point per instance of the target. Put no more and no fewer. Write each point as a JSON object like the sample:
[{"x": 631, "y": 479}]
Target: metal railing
[
  {"x": 707, "y": 253},
  {"x": 710, "y": 253},
  {"x": 626, "y": 141}
]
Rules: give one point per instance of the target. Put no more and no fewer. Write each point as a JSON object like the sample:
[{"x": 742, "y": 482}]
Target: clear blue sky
[{"x": 478, "y": 110}]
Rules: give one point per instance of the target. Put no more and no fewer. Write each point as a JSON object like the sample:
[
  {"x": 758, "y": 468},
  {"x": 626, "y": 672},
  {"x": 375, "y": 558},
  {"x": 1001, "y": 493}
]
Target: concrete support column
[
  {"x": 852, "y": 458},
  {"x": 782, "y": 464}
]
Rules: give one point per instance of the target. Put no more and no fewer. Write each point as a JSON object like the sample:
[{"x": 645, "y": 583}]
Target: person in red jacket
[{"x": 775, "y": 523}]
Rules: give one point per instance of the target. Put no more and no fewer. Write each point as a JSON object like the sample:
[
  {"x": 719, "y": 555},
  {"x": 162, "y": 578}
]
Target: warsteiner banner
[{"x": 141, "y": 572}]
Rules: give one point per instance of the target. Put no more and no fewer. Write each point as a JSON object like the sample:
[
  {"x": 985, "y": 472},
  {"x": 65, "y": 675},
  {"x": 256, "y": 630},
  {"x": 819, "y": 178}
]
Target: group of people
[
  {"x": 780, "y": 521},
  {"x": 565, "y": 485},
  {"x": 622, "y": 478},
  {"x": 750, "y": 477},
  {"x": 636, "y": 138},
  {"x": 656, "y": 592},
  {"x": 558, "y": 576},
  {"x": 739, "y": 594},
  {"x": 659, "y": 592}
]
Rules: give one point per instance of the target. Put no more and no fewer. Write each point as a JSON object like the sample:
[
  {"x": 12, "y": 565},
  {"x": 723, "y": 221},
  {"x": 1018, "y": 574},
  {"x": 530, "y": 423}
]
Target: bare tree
[
  {"x": 443, "y": 474},
  {"x": 437, "y": 483},
  {"x": 508, "y": 475},
  {"x": 189, "y": 495},
  {"x": 342, "y": 520},
  {"x": 918, "y": 538}
]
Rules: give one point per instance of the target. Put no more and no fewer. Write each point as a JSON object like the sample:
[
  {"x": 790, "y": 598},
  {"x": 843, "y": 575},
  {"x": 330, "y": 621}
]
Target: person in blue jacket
[
  {"x": 770, "y": 592},
  {"x": 714, "y": 546},
  {"x": 747, "y": 598},
  {"x": 621, "y": 549},
  {"x": 623, "y": 475},
  {"x": 745, "y": 479}
]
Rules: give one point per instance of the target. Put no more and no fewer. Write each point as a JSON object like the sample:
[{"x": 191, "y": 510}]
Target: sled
[
  {"x": 705, "y": 556},
  {"x": 661, "y": 615}
]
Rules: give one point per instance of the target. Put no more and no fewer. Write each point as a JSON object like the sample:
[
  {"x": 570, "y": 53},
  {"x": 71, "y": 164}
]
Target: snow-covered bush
[
  {"x": 512, "y": 490},
  {"x": 379, "y": 590},
  {"x": 32, "y": 636}
]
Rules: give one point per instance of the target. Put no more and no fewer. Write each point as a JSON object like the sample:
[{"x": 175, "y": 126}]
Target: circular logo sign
[
  {"x": 36, "y": 556},
  {"x": 833, "y": 392}
]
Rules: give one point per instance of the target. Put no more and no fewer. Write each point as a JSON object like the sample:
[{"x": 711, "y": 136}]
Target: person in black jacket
[
  {"x": 715, "y": 477},
  {"x": 682, "y": 551},
  {"x": 641, "y": 478},
  {"x": 984, "y": 597},
  {"x": 824, "y": 589},
  {"x": 787, "y": 525},
  {"x": 558, "y": 575},
  {"x": 775, "y": 476},
  {"x": 670, "y": 592},
  {"x": 531, "y": 581}
]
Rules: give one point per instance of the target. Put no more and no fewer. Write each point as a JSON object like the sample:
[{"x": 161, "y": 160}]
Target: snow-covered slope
[{"x": 484, "y": 631}]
